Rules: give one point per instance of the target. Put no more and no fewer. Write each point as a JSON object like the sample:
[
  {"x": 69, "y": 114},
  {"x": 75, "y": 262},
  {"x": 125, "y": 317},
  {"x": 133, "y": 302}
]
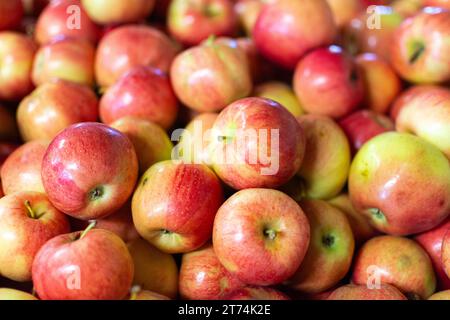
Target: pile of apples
[{"x": 95, "y": 206}]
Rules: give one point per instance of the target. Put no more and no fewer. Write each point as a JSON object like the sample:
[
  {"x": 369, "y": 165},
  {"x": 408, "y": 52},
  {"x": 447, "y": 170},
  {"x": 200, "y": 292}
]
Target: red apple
[
  {"x": 174, "y": 205},
  {"x": 208, "y": 77},
  {"x": 16, "y": 58},
  {"x": 89, "y": 170},
  {"x": 191, "y": 22},
  {"x": 397, "y": 261},
  {"x": 11, "y": 13},
  {"x": 362, "y": 292},
  {"x": 5, "y": 150},
  {"x": 68, "y": 59},
  {"x": 261, "y": 236},
  {"x": 8, "y": 127},
  {"x": 327, "y": 82},
  {"x": 22, "y": 169},
  {"x": 256, "y": 143},
  {"x": 202, "y": 277},
  {"x": 361, "y": 126},
  {"x": 91, "y": 265},
  {"x": 29, "y": 220},
  {"x": 420, "y": 47},
  {"x": 283, "y": 34},
  {"x": 446, "y": 253},
  {"x": 411, "y": 93},
  {"x": 129, "y": 46},
  {"x": 118, "y": 11},
  {"x": 142, "y": 92},
  {"x": 65, "y": 19},
  {"x": 257, "y": 293},
  {"x": 54, "y": 106},
  {"x": 432, "y": 241}
]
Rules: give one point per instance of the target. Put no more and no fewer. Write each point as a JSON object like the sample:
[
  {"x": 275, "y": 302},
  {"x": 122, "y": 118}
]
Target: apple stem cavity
[
  {"x": 91, "y": 225},
  {"x": 270, "y": 234},
  {"x": 418, "y": 50},
  {"x": 328, "y": 240},
  {"x": 30, "y": 210},
  {"x": 96, "y": 193}
]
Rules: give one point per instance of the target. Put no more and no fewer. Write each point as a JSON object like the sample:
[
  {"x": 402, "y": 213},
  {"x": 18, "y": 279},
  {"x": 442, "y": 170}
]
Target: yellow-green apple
[
  {"x": 283, "y": 34},
  {"x": 432, "y": 241},
  {"x": 118, "y": 52},
  {"x": 426, "y": 114},
  {"x": 361, "y": 126},
  {"x": 8, "y": 126},
  {"x": 210, "y": 76},
  {"x": 138, "y": 293},
  {"x": 322, "y": 178},
  {"x": 89, "y": 170},
  {"x": 248, "y": 12},
  {"x": 191, "y": 22},
  {"x": 261, "y": 236},
  {"x": 362, "y": 229},
  {"x": 362, "y": 292},
  {"x": 54, "y": 106},
  {"x": 202, "y": 276},
  {"x": 381, "y": 83},
  {"x": 151, "y": 142},
  {"x": 257, "y": 293},
  {"x": 16, "y": 58},
  {"x": 330, "y": 251},
  {"x": 328, "y": 82},
  {"x": 29, "y": 220},
  {"x": 442, "y": 295},
  {"x": 65, "y": 19},
  {"x": 256, "y": 143},
  {"x": 438, "y": 3},
  {"x": 281, "y": 93},
  {"x": 22, "y": 169},
  {"x": 174, "y": 205},
  {"x": 143, "y": 92},
  {"x": 11, "y": 13},
  {"x": 154, "y": 270},
  {"x": 446, "y": 253},
  {"x": 67, "y": 59},
  {"x": 13, "y": 294},
  {"x": 118, "y": 11},
  {"x": 91, "y": 265},
  {"x": 397, "y": 261},
  {"x": 344, "y": 10},
  {"x": 401, "y": 183},
  {"x": 420, "y": 47}
]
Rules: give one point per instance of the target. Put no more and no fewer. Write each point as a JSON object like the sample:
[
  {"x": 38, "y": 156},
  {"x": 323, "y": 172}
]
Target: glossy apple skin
[
  {"x": 344, "y": 10},
  {"x": 432, "y": 241},
  {"x": 427, "y": 115},
  {"x": 443, "y": 295},
  {"x": 325, "y": 263},
  {"x": 393, "y": 167},
  {"x": 11, "y": 13},
  {"x": 154, "y": 270},
  {"x": 401, "y": 262},
  {"x": 261, "y": 236},
  {"x": 446, "y": 253},
  {"x": 281, "y": 93},
  {"x": 256, "y": 114},
  {"x": 327, "y": 82},
  {"x": 22, "y": 169},
  {"x": 54, "y": 106},
  {"x": 16, "y": 58},
  {"x": 191, "y": 22},
  {"x": 118, "y": 11},
  {"x": 53, "y": 21},
  {"x": 67, "y": 59},
  {"x": 432, "y": 30},
  {"x": 381, "y": 83},
  {"x": 282, "y": 30},
  {"x": 257, "y": 293},
  {"x": 409, "y": 95},
  {"x": 325, "y": 140},
  {"x": 22, "y": 236},
  {"x": 174, "y": 205},
  {"x": 100, "y": 259},
  {"x": 361, "y": 292},
  {"x": 438, "y": 3},
  {"x": 8, "y": 126},
  {"x": 208, "y": 77},
  {"x": 143, "y": 92},
  {"x": 361, "y": 126},
  {"x": 361, "y": 228},
  {"x": 117, "y": 52},
  {"x": 202, "y": 277},
  {"x": 89, "y": 170},
  {"x": 12, "y": 294}
]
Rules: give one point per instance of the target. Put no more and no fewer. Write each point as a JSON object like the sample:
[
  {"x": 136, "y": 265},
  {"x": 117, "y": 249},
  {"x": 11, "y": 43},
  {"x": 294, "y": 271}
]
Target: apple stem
[
  {"x": 31, "y": 213},
  {"x": 271, "y": 234},
  {"x": 91, "y": 225},
  {"x": 134, "y": 291}
]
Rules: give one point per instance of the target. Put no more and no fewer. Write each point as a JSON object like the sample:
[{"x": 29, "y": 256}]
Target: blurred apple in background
[
  {"x": 8, "y": 127},
  {"x": 328, "y": 82},
  {"x": 248, "y": 12},
  {"x": 118, "y": 52},
  {"x": 16, "y": 58},
  {"x": 54, "y": 106},
  {"x": 142, "y": 92},
  {"x": 34, "y": 7},
  {"x": 118, "y": 11},
  {"x": 281, "y": 93},
  {"x": 29, "y": 220},
  {"x": 13, "y": 294},
  {"x": 11, "y": 13},
  {"x": 362, "y": 292},
  {"x": 257, "y": 293},
  {"x": 344, "y": 10},
  {"x": 443, "y": 295}
]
